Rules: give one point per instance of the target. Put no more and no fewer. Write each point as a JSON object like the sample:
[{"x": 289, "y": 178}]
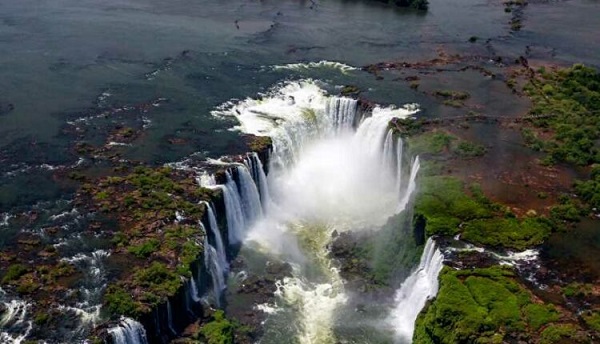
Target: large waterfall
[
  {"x": 330, "y": 170},
  {"x": 419, "y": 287}
]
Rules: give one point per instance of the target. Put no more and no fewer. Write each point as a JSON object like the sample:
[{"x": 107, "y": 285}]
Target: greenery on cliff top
[
  {"x": 450, "y": 208},
  {"x": 488, "y": 306},
  {"x": 159, "y": 245}
]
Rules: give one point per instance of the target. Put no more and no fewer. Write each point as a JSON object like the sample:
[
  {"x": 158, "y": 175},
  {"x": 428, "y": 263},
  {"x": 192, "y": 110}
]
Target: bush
[
  {"x": 120, "y": 302},
  {"x": 145, "y": 249},
  {"x": 556, "y": 332},
  {"x": 540, "y": 315},
  {"x": 469, "y": 150},
  {"x": 14, "y": 272},
  {"x": 569, "y": 100},
  {"x": 219, "y": 330}
]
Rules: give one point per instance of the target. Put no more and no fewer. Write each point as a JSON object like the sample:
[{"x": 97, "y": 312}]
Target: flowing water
[
  {"x": 71, "y": 71},
  {"x": 418, "y": 288},
  {"x": 128, "y": 331},
  {"x": 333, "y": 168}
]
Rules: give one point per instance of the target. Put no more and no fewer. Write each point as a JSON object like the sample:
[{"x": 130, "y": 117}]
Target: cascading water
[
  {"x": 419, "y": 287},
  {"x": 128, "y": 331},
  {"x": 170, "y": 317},
  {"x": 218, "y": 239},
  {"x": 88, "y": 308},
  {"x": 213, "y": 265},
  {"x": 236, "y": 223},
  {"x": 249, "y": 196},
  {"x": 194, "y": 293},
  {"x": 254, "y": 164},
  {"x": 325, "y": 175}
]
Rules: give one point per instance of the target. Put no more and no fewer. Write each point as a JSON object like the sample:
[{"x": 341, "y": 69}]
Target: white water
[
  {"x": 194, "y": 293},
  {"x": 325, "y": 175},
  {"x": 170, "y": 317},
  {"x": 14, "y": 326},
  {"x": 219, "y": 246},
  {"x": 344, "y": 68},
  {"x": 236, "y": 223},
  {"x": 213, "y": 265},
  {"x": 128, "y": 331},
  {"x": 419, "y": 287},
  {"x": 254, "y": 164},
  {"x": 249, "y": 196},
  {"x": 88, "y": 307}
]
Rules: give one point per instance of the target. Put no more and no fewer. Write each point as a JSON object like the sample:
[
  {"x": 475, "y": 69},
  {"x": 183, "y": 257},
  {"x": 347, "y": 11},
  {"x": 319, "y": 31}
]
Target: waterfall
[
  {"x": 214, "y": 229},
  {"x": 342, "y": 112},
  {"x": 329, "y": 171},
  {"x": 412, "y": 185},
  {"x": 170, "y": 318},
  {"x": 194, "y": 290},
  {"x": 128, "y": 331},
  {"x": 419, "y": 287},
  {"x": 399, "y": 157},
  {"x": 211, "y": 260},
  {"x": 249, "y": 196},
  {"x": 236, "y": 223},
  {"x": 254, "y": 164}
]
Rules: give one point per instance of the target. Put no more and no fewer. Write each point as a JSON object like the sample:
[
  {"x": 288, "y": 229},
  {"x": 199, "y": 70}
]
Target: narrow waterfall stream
[{"x": 330, "y": 171}]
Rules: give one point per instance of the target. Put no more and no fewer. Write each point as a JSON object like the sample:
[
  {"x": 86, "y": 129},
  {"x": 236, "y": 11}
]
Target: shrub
[
  {"x": 556, "y": 332},
  {"x": 144, "y": 249},
  {"x": 14, "y": 272},
  {"x": 219, "y": 330}
]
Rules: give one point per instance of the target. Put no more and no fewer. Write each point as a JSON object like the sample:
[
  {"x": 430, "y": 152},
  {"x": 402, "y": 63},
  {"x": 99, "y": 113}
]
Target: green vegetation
[
  {"x": 147, "y": 288},
  {"x": 119, "y": 301},
  {"x": 145, "y": 248},
  {"x": 557, "y": 332},
  {"x": 481, "y": 306},
  {"x": 219, "y": 330},
  {"x": 430, "y": 143},
  {"x": 406, "y": 126},
  {"x": 14, "y": 272},
  {"x": 567, "y": 105},
  {"x": 445, "y": 205},
  {"x": 448, "y": 208},
  {"x": 453, "y": 98},
  {"x": 349, "y": 90},
  {"x": 539, "y": 315},
  {"x": 467, "y": 149},
  {"x": 394, "y": 250},
  {"x": 259, "y": 143},
  {"x": 590, "y": 190},
  {"x": 440, "y": 142},
  {"x": 577, "y": 290},
  {"x": 592, "y": 319},
  {"x": 145, "y": 203},
  {"x": 508, "y": 232}
]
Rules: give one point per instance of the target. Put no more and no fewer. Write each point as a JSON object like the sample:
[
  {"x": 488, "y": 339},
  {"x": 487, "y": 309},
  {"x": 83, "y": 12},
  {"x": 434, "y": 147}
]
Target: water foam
[{"x": 328, "y": 173}]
